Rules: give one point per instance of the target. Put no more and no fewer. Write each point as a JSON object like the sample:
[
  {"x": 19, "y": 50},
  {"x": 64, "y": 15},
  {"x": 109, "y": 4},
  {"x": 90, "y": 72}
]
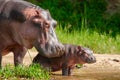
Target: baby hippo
[{"x": 73, "y": 55}]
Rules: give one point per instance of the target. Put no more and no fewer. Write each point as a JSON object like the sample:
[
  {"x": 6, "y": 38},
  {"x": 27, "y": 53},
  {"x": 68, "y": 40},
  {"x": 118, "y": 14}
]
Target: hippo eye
[
  {"x": 79, "y": 53},
  {"x": 36, "y": 22}
]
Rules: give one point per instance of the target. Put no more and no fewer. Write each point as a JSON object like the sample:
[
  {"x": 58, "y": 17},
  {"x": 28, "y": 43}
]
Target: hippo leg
[
  {"x": 19, "y": 54},
  {"x": 65, "y": 70},
  {"x": 70, "y": 71}
]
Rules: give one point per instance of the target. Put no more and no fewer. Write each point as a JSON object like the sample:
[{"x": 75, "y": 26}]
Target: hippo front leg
[
  {"x": 65, "y": 70},
  {"x": 19, "y": 54}
]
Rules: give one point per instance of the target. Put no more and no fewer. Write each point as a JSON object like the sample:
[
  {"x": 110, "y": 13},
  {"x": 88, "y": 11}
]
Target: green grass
[
  {"x": 34, "y": 72},
  {"x": 99, "y": 43}
]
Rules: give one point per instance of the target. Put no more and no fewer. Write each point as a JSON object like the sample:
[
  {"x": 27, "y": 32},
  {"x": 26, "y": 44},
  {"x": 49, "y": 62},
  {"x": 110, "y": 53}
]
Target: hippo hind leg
[{"x": 19, "y": 53}]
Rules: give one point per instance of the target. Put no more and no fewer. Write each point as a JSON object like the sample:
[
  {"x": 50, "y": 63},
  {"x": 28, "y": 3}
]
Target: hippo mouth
[{"x": 50, "y": 50}]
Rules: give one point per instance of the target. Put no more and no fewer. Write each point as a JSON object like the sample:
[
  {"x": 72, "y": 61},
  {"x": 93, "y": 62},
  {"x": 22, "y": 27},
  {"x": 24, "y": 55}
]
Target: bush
[{"x": 79, "y": 14}]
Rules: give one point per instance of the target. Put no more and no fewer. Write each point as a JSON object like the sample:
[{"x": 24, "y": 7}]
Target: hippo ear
[
  {"x": 79, "y": 50},
  {"x": 79, "y": 47},
  {"x": 37, "y": 12}
]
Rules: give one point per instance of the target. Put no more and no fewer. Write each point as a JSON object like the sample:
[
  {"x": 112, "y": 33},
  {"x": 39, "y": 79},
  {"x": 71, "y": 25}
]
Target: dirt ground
[{"x": 107, "y": 67}]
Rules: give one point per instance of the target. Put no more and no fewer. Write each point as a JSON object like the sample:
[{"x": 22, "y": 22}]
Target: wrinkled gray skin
[
  {"x": 24, "y": 25},
  {"x": 73, "y": 55}
]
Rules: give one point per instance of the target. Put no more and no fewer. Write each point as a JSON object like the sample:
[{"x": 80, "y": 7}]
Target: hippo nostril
[{"x": 93, "y": 59}]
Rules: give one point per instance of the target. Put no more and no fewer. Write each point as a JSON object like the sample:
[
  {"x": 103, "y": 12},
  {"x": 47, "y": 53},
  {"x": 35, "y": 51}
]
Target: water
[
  {"x": 106, "y": 68},
  {"x": 79, "y": 74}
]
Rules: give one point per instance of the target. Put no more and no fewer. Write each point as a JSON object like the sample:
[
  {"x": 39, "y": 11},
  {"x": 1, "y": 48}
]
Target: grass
[
  {"x": 34, "y": 72},
  {"x": 99, "y": 43}
]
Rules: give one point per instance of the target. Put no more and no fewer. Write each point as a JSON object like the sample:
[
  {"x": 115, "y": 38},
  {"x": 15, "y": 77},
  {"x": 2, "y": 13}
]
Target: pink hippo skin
[{"x": 73, "y": 55}]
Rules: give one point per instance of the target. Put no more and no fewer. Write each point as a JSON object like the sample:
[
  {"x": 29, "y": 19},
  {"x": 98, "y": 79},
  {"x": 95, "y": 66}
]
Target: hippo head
[
  {"x": 38, "y": 31},
  {"x": 86, "y": 55},
  {"x": 51, "y": 47}
]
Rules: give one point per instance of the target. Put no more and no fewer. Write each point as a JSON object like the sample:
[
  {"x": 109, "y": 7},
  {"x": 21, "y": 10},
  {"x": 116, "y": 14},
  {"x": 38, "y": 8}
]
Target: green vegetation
[
  {"x": 86, "y": 23},
  {"x": 99, "y": 43},
  {"x": 34, "y": 72},
  {"x": 87, "y": 14}
]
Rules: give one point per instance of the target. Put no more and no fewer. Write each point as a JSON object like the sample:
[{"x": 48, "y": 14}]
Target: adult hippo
[{"x": 24, "y": 25}]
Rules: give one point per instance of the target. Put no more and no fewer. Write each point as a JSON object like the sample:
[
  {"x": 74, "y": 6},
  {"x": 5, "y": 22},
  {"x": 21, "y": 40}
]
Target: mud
[{"x": 107, "y": 67}]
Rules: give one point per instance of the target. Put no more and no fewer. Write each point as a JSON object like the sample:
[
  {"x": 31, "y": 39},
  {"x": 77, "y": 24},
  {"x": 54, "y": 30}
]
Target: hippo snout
[{"x": 91, "y": 59}]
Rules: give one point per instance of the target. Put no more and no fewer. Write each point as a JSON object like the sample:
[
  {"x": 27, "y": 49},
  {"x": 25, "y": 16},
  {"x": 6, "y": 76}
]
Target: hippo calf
[{"x": 73, "y": 55}]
